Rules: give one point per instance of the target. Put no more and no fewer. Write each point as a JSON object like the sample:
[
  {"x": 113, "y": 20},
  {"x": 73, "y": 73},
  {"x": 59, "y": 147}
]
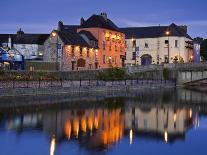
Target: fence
[{"x": 82, "y": 83}]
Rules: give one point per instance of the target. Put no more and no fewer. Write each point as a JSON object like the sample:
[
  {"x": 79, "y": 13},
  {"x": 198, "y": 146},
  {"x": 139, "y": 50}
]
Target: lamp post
[
  {"x": 54, "y": 34},
  {"x": 168, "y": 47}
]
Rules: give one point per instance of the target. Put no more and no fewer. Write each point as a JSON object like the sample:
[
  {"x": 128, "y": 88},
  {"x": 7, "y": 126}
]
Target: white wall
[
  {"x": 29, "y": 51},
  {"x": 157, "y": 48}
]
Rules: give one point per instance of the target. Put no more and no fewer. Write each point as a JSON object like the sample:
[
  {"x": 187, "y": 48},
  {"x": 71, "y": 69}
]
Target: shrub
[{"x": 112, "y": 74}]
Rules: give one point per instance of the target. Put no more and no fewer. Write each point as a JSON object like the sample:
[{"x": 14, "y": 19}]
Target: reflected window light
[
  {"x": 68, "y": 129},
  {"x": 190, "y": 113},
  {"x": 166, "y": 136},
  {"x": 52, "y": 146},
  {"x": 175, "y": 117},
  {"x": 131, "y": 136}
]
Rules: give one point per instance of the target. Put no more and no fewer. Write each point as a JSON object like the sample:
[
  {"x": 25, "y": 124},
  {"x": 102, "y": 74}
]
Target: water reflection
[{"x": 103, "y": 126}]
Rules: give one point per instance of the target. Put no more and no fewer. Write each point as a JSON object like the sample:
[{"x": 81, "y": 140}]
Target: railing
[{"x": 82, "y": 83}]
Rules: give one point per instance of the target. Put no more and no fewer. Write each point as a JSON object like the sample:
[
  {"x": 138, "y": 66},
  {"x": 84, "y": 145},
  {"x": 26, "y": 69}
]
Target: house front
[{"x": 158, "y": 45}]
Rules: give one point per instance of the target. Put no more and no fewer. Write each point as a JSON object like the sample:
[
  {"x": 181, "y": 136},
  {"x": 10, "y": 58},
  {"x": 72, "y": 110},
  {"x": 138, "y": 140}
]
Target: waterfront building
[
  {"x": 71, "y": 50},
  {"x": 29, "y": 45},
  {"x": 158, "y": 45},
  {"x": 111, "y": 40}
]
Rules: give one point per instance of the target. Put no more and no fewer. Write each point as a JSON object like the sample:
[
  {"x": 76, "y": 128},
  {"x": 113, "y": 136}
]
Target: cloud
[{"x": 191, "y": 23}]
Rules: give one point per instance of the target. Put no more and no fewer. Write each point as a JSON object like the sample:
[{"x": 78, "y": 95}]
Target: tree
[{"x": 203, "y": 43}]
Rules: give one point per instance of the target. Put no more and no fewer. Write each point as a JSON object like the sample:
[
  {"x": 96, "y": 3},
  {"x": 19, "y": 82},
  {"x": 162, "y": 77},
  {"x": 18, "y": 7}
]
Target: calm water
[{"x": 151, "y": 122}]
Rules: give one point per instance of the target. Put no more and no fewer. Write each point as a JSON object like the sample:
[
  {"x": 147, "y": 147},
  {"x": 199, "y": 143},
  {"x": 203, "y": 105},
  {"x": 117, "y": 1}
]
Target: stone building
[
  {"x": 100, "y": 31},
  {"x": 158, "y": 45},
  {"x": 71, "y": 50}
]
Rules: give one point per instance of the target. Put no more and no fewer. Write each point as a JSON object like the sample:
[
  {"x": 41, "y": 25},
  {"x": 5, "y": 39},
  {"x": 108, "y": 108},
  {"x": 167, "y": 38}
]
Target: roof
[
  {"x": 155, "y": 31},
  {"x": 24, "y": 38},
  {"x": 99, "y": 21},
  {"x": 88, "y": 35},
  {"x": 72, "y": 38},
  {"x": 71, "y": 28}
]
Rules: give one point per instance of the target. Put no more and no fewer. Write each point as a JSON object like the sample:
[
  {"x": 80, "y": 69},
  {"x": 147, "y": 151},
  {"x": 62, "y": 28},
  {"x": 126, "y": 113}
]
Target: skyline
[{"x": 35, "y": 18}]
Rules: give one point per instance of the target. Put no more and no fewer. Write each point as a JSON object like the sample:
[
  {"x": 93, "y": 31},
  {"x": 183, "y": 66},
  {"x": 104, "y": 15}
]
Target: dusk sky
[{"x": 41, "y": 16}]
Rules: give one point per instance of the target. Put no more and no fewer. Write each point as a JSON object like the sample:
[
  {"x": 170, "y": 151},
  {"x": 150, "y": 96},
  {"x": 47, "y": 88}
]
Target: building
[
  {"x": 111, "y": 41},
  {"x": 29, "y": 45},
  {"x": 11, "y": 59},
  {"x": 96, "y": 43},
  {"x": 158, "y": 45},
  {"x": 71, "y": 50}
]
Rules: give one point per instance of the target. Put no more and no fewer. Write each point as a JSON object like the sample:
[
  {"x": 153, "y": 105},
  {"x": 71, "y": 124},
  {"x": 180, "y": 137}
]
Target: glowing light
[
  {"x": 96, "y": 122},
  {"x": 40, "y": 54},
  {"x": 190, "y": 113},
  {"x": 68, "y": 129},
  {"x": 131, "y": 136},
  {"x": 174, "y": 117},
  {"x": 167, "y": 32},
  {"x": 83, "y": 124},
  {"x": 76, "y": 127},
  {"x": 166, "y": 136},
  {"x": 84, "y": 48},
  {"x": 54, "y": 34},
  {"x": 52, "y": 146}
]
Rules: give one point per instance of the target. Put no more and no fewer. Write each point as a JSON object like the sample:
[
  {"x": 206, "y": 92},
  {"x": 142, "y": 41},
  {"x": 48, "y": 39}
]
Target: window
[
  {"x": 4, "y": 44},
  {"x": 72, "y": 52},
  {"x": 166, "y": 41},
  {"x": 104, "y": 45},
  {"x": 116, "y": 48},
  {"x": 133, "y": 55},
  {"x": 88, "y": 53},
  {"x": 134, "y": 43},
  {"x": 146, "y": 45},
  {"x": 176, "y": 43},
  {"x": 110, "y": 46},
  {"x": 104, "y": 59},
  {"x": 115, "y": 59}
]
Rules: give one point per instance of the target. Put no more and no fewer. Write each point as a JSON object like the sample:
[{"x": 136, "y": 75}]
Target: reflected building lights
[
  {"x": 175, "y": 117},
  {"x": 131, "y": 136},
  {"x": 52, "y": 146},
  {"x": 68, "y": 129},
  {"x": 166, "y": 136}
]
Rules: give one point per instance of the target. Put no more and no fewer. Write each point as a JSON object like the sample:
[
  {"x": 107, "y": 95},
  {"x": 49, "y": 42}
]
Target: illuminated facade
[
  {"x": 111, "y": 41},
  {"x": 70, "y": 51},
  {"x": 158, "y": 45}
]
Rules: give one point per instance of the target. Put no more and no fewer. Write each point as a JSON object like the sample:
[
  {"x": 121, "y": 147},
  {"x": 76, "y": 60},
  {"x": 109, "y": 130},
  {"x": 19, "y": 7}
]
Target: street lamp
[{"x": 168, "y": 51}]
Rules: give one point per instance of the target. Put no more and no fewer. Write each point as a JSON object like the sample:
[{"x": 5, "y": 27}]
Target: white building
[
  {"x": 158, "y": 45},
  {"x": 31, "y": 46}
]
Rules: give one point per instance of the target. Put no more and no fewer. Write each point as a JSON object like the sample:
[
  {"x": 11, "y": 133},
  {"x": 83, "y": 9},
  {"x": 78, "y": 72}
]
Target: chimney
[
  {"x": 9, "y": 42},
  {"x": 82, "y": 21},
  {"x": 20, "y": 32},
  {"x": 104, "y": 15},
  {"x": 184, "y": 28},
  {"x": 60, "y": 26}
]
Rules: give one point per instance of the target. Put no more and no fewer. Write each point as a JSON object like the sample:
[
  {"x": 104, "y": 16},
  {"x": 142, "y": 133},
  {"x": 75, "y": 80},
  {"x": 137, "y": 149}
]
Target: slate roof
[
  {"x": 154, "y": 31},
  {"x": 72, "y": 38},
  {"x": 88, "y": 34},
  {"x": 71, "y": 28},
  {"x": 24, "y": 38},
  {"x": 99, "y": 21}
]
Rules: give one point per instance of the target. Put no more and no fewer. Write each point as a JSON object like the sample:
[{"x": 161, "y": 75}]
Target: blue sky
[{"x": 41, "y": 16}]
